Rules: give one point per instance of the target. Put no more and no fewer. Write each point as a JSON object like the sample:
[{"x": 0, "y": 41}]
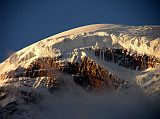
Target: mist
[{"x": 73, "y": 102}]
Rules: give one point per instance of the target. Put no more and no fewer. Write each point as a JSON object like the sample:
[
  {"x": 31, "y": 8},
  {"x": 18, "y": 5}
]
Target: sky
[{"x": 23, "y": 22}]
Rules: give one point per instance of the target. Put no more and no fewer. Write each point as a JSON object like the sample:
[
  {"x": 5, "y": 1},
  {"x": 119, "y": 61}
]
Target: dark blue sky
[{"x": 23, "y": 22}]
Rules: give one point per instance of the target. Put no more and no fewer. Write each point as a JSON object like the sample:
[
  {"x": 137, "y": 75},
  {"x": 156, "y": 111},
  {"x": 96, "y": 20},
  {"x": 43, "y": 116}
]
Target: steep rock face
[
  {"x": 94, "y": 75},
  {"x": 99, "y": 77},
  {"x": 127, "y": 59}
]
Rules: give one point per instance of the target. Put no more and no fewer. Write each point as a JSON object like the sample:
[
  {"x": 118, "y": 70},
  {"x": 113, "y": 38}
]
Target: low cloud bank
[{"x": 79, "y": 104}]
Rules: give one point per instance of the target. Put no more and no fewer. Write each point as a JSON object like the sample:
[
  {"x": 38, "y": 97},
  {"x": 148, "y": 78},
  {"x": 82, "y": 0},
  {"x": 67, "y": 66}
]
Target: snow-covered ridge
[{"x": 143, "y": 39}]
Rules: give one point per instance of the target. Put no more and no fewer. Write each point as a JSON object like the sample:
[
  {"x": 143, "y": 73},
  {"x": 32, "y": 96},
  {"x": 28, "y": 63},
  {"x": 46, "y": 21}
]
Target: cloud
[{"x": 73, "y": 102}]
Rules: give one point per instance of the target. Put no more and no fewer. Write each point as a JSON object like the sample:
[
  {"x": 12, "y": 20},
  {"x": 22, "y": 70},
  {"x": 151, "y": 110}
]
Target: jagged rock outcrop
[
  {"x": 93, "y": 75},
  {"x": 123, "y": 57}
]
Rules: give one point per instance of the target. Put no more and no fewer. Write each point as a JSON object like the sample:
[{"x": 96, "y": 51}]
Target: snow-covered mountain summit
[
  {"x": 96, "y": 57},
  {"x": 143, "y": 39}
]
